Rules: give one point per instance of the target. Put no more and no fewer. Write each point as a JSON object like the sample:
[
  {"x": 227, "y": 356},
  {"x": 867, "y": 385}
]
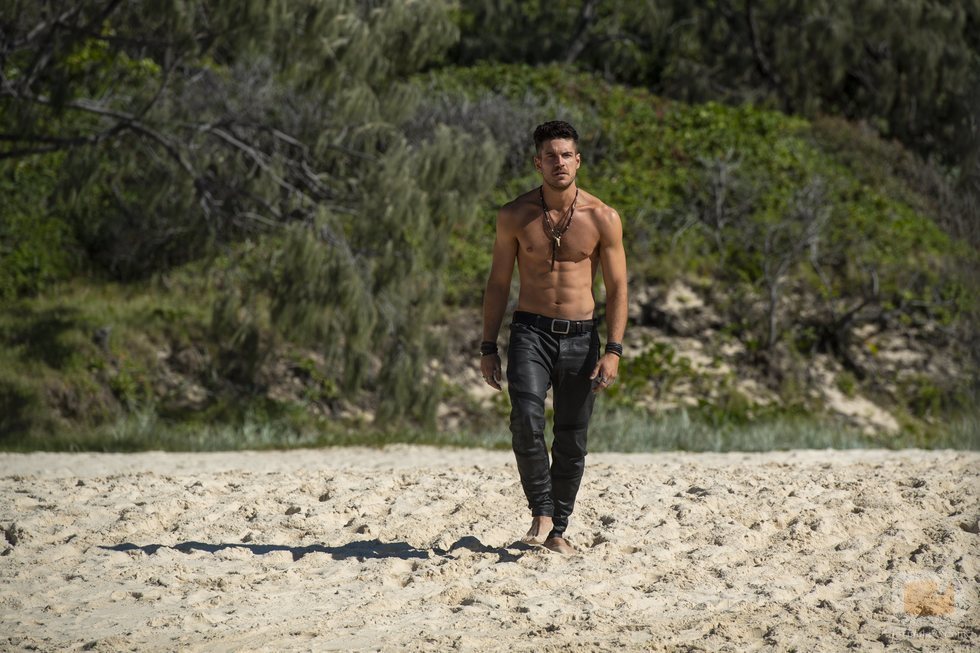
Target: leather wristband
[
  {"x": 614, "y": 348},
  {"x": 488, "y": 348}
]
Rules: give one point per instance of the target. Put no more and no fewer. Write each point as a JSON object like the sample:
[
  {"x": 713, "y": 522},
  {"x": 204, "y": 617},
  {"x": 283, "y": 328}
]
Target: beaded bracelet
[
  {"x": 614, "y": 348},
  {"x": 488, "y": 348}
]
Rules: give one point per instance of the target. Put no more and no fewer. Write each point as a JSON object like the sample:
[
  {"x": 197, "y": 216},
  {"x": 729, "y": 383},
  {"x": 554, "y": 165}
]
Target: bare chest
[{"x": 580, "y": 242}]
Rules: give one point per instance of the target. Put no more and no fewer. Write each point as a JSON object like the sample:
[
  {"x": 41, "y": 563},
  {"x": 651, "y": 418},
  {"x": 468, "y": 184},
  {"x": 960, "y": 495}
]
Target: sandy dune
[{"x": 414, "y": 548}]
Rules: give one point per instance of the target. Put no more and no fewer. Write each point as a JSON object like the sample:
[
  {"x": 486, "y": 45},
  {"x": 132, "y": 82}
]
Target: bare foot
[
  {"x": 560, "y": 545},
  {"x": 540, "y": 527}
]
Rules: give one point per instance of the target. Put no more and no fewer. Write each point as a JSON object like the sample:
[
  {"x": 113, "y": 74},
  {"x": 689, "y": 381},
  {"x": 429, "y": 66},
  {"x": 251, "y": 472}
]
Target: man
[{"x": 559, "y": 235}]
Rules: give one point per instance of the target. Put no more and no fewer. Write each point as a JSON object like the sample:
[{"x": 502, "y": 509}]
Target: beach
[{"x": 417, "y": 548}]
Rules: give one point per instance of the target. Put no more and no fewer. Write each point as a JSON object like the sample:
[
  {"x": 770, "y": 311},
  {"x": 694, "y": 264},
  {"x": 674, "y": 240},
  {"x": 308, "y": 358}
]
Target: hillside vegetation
[
  {"x": 278, "y": 252},
  {"x": 807, "y": 243}
]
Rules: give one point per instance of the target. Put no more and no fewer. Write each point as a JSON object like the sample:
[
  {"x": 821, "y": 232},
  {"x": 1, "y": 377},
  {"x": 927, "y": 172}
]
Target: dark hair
[{"x": 551, "y": 130}]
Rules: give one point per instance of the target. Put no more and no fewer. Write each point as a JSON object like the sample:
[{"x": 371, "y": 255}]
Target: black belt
[{"x": 554, "y": 325}]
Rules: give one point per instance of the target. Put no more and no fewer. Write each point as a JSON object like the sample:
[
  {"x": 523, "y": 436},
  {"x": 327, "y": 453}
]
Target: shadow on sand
[{"x": 361, "y": 550}]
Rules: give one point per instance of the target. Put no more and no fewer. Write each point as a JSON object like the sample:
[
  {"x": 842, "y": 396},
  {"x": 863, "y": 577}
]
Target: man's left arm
[{"x": 612, "y": 257}]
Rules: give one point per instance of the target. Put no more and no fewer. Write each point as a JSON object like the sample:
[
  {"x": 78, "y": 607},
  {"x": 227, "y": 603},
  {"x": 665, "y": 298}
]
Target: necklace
[{"x": 556, "y": 231}]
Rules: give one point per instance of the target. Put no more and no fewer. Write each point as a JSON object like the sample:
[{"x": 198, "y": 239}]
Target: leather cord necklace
[{"x": 556, "y": 231}]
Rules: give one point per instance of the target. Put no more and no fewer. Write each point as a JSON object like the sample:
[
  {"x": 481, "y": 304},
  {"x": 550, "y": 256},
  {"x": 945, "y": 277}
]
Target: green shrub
[
  {"x": 655, "y": 371},
  {"x": 19, "y": 405},
  {"x": 37, "y": 248}
]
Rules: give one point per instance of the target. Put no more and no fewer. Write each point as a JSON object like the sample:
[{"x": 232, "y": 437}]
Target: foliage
[
  {"x": 773, "y": 209},
  {"x": 268, "y": 176},
  {"x": 653, "y": 372},
  {"x": 909, "y": 68},
  {"x": 289, "y": 122},
  {"x": 723, "y": 191},
  {"x": 619, "y": 429},
  {"x": 36, "y": 247}
]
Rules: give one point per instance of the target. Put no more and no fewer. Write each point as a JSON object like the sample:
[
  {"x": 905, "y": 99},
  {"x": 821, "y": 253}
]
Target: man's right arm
[
  {"x": 501, "y": 271},
  {"x": 498, "y": 289}
]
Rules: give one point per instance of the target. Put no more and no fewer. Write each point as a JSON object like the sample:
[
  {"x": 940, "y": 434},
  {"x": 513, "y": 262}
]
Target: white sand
[{"x": 414, "y": 548}]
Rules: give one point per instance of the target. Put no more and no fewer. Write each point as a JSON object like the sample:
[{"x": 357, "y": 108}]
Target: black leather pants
[{"x": 536, "y": 360}]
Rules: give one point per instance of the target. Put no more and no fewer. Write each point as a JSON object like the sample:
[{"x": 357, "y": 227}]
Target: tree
[
  {"x": 625, "y": 40},
  {"x": 909, "y": 67},
  {"x": 190, "y": 125},
  {"x": 797, "y": 233}
]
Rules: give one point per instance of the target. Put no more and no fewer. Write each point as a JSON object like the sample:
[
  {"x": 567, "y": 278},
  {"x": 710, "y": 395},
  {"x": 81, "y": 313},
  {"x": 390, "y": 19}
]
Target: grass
[
  {"x": 962, "y": 432},
  {"x": 80, "y": 362},
  {"x": 625, "y": 430},
  {"x": 49, "y": 355},
  {"x": 612, "y": 429}
]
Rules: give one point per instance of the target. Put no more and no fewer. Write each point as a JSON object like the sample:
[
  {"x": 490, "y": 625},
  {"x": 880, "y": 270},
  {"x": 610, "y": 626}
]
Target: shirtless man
[{"x": 559, "y": 235}]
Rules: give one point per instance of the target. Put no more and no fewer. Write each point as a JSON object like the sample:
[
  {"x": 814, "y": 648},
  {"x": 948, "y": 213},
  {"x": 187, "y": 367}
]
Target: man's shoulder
[
  {"x": 519, "y": 204},
  {"x": 601, "y": 211},
  {"x": 522, "y": 200}
]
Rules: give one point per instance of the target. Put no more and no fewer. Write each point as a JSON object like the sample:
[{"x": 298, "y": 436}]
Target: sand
[{"x": 416, "y": 548}]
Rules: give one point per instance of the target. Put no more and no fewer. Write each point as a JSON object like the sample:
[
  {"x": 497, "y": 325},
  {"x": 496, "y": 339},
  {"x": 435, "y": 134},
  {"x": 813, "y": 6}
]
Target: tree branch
[
  {"x": 43, "y": 25},
  {"x": 761, "y": 60},
  {"x": 586, "y": 19}
]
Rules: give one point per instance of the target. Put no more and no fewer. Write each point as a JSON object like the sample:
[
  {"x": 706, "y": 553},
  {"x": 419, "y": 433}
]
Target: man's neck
[{"x": 559, "y": 200}]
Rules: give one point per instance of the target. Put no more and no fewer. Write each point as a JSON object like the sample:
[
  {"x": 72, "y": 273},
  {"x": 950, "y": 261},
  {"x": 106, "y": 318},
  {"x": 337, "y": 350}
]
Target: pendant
[{"x": 557, "y": 241}]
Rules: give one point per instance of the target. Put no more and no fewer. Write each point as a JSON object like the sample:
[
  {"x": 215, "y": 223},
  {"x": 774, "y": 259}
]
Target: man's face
[{"x": 558, "y": 161}]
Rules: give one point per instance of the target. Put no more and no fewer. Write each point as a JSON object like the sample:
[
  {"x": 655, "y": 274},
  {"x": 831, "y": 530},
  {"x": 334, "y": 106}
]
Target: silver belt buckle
[{"x": 568, "y": 326}]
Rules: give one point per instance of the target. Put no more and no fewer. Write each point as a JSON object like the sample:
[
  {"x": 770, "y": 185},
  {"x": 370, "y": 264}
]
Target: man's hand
[
  {"x": 605, "y": 372},
  {"x": 490, "y": 368}
]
